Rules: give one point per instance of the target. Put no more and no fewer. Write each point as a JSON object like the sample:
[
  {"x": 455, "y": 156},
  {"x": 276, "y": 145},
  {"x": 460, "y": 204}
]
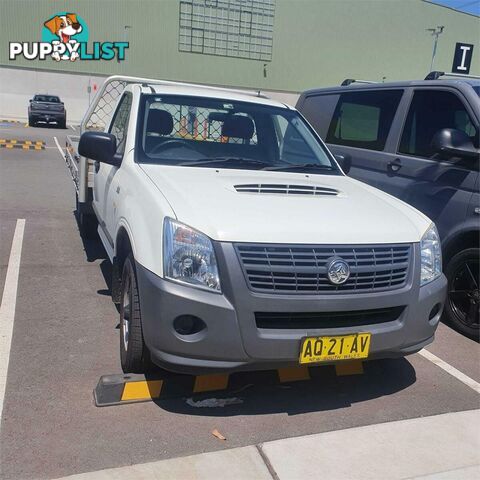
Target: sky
[{"x": 468, "y": 6}]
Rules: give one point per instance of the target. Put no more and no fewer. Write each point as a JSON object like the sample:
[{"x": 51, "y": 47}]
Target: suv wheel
[
  {"x": 463, "y": 301},
  {"x": 134, "y": 355}
]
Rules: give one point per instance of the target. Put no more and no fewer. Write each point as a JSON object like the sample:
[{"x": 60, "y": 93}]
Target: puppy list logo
[{"x": 65, "y": 37}]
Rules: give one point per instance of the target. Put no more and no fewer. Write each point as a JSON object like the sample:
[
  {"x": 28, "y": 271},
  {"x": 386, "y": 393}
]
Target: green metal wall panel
[{"x": 315, "y": 42}]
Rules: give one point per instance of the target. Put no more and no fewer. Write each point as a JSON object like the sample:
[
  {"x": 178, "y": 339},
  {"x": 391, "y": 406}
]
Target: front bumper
[{"x": 232, "y": 341}]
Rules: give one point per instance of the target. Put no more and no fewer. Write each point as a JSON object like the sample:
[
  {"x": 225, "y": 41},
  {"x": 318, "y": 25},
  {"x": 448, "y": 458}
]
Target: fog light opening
[
  {"x": 188, "y": 325},
  {"x": 434, "y": 310}
]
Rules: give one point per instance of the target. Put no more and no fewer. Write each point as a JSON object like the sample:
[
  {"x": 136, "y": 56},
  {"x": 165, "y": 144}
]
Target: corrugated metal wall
[{"x": 315, "y": 42}]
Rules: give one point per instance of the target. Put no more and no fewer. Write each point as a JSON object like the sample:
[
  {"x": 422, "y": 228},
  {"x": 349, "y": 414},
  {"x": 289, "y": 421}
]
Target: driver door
[
  {"x": 438, "y": 186},
  {"x": 104, "y": 176}
]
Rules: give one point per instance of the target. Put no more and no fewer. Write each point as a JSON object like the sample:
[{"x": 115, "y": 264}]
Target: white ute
[{"x": 237, "y": 241}]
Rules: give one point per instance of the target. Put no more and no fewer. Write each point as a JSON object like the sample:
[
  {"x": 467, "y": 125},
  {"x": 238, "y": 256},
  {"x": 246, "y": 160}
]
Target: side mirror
[
  {"x": 99, "y": 146},
  {"x": 31, "y": 100},
  {"x": 345, "y": 162},
  {"x": 454, "y": 142}
]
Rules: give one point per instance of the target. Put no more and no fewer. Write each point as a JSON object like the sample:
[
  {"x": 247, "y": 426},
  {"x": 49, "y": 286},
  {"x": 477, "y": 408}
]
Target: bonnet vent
[{"x": 286, "y": 189}]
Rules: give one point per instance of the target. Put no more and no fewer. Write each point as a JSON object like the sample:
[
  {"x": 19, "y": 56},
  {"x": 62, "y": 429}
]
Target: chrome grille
[
  {"x": 303, "y": 268},
  {"x": 285, "y": 189}
]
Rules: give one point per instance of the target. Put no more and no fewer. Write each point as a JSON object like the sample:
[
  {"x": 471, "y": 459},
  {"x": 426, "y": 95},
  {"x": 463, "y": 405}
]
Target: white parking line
[
  {"x": 59, "y": 148},
  {"x": 470, "y": 382},
  {"x": 7, "y": 307},
  {"x": 73, "y": 128}
]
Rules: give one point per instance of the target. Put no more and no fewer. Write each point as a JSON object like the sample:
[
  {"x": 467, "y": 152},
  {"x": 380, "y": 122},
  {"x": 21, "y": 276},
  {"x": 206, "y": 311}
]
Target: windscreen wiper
[
  {"x": 292, "y": 166},
  {"x": 214, "y": 160}
]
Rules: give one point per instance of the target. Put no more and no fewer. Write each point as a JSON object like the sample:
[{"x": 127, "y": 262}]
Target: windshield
[
  {"x": 215, "y": 133},
  {"x": 46, "y": 98}
]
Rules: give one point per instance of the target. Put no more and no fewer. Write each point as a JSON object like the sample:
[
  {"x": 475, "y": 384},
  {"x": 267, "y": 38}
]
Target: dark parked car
[
  {"x": 418, "y": 141},
  {"x": 48, "y": 109}
]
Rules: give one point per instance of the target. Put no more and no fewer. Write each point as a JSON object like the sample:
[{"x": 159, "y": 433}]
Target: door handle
[
  {"x": 97, "y": 166},
  {"x": 395, "y": 165}
]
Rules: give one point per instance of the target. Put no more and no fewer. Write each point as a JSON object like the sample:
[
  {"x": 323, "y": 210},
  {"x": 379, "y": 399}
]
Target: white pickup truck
[{"x": 237, "y": 241}]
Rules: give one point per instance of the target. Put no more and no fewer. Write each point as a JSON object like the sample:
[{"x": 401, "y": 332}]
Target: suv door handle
[{"x": 395, "y": 165}]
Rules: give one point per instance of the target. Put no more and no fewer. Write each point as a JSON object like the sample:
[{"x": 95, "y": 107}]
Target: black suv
[
  {"x": 48, "y": 109},
  {"x": 418, "y": 141}
]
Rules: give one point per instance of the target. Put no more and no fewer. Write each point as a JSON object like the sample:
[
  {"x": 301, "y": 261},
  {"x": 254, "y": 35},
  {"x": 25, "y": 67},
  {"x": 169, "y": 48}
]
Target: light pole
[{"x": 436, "y": 33}]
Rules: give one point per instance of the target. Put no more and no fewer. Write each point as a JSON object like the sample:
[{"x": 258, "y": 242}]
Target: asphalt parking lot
[{"x": 65, "y": 337}]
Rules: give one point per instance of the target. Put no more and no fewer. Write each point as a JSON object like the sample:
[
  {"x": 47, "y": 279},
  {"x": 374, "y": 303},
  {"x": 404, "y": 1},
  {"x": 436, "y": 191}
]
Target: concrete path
[{"x": 439, "y": 447}]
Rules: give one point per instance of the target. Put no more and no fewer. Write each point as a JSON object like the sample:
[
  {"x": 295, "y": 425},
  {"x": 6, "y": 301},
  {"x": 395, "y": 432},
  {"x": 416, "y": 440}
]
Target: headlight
[
  {"x": 188, "y": 256},
  {"x": 431, "y": 255}
]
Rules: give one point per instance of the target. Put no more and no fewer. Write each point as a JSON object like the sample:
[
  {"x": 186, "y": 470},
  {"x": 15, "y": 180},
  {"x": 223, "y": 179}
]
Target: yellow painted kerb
[
  {"x": 349, "y": 368},
  {"x": 142, "y": 390},
  {"x": 293, "y": 374},
  {"x": 207, "y": 383}
]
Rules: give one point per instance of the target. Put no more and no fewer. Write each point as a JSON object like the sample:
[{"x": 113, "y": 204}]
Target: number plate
[{"x": 331, "y": 349}]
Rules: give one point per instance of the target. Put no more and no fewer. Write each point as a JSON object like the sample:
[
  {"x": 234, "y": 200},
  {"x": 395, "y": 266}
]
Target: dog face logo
[{"x": 63, "y": 27}]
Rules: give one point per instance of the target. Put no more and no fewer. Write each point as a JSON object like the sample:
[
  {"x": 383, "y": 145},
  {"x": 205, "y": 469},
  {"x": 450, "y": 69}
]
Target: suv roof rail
[
  {"x": 435, "y": 75},
  {"x": 349, "y": 81}
]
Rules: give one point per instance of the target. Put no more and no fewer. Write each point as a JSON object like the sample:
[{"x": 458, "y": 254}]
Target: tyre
[
  {"x": 463, "y": 300},
  {"x": 134, "y": 355},
  {"x": 62, "y": 123},
  {"x": 31, "y": 122}
]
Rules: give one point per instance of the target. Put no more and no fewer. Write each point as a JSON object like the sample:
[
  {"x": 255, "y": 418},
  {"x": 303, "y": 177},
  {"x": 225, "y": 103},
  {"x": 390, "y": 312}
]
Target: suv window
[
  {"x": 431, "y": 111},
  {"x": 46, "y": 98},
  {"x": 318, "y": 110},
  {"x": 120, "y": 122},
  {"x": 363, "y": 119}
]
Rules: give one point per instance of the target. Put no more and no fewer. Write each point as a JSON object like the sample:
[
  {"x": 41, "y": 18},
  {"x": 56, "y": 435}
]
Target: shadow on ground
[
  {"x": 94, "y": 251},
  {"x": 325, "y": 391}
]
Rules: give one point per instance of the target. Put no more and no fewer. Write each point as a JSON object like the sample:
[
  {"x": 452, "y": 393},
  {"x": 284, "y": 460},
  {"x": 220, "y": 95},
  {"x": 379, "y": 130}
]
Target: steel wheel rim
[
  {"x": 126, "y": 313},
  {"x": 464, "y": 294}
]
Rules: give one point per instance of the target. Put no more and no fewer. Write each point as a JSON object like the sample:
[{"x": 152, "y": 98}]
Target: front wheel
[
  {"x": 134, "y": 355},
  {"x": 463, "y": 301}
]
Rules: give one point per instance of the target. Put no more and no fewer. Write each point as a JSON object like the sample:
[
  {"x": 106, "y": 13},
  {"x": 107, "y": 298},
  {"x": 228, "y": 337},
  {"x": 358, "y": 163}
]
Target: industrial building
[{"x": 281, "y": 47}]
